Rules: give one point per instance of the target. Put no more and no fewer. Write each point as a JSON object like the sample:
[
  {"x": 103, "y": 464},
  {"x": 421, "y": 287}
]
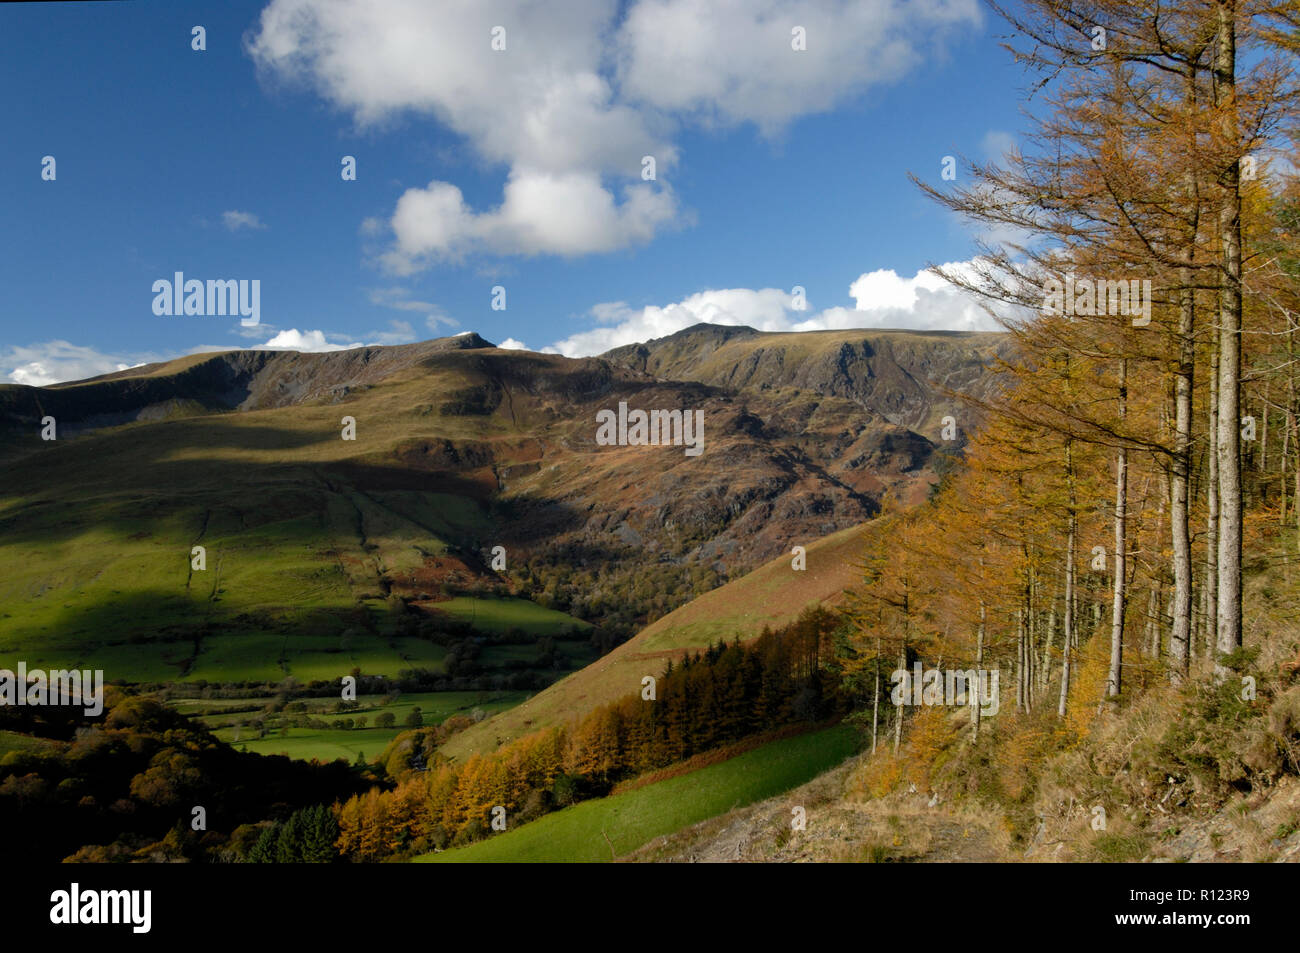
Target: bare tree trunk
[
  {"x": 875, "y": 713},
  {"x": 1212, "y": 507},
  {"x": 1020, "y": 660},
  {"x": 1180, "y": 636},
  {"x": 1263, "y": 430},
  {"x": 898, "y": 718},
  {"x": 1293, "y": 427},
  {"x": 1229, "y": 445},
  {"x": 1288, "y": 424},
  {"x": 1295, "y": 506},
  {"x": 1069, "y": 585},
  {"x": 1044, "y": 669},
  {"x": 1031, "y": 651},
  {"x": 979, "y": 668},
  {"x": 1153, "y": 625},
  {"x": 902, "y": 664},
  {"x": 1113, "y": 682}
]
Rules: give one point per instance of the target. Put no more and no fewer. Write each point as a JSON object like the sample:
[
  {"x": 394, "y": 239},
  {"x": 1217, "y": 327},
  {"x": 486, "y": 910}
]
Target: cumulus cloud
[
  {"x": 732, "y": 61},
  {"x": 236, "y": 220},
  {"x": 54, "y": 362},
  {"x": 399, "y": 332},
  {"x": 541, "y": 107},
  {"x": 510, "y": 344},
  {"x": 582, "y": 91},
  {"x": 882, "y": 299},
  {"x": 295, "y": 340},
  {"x": 563, "y": 214}
]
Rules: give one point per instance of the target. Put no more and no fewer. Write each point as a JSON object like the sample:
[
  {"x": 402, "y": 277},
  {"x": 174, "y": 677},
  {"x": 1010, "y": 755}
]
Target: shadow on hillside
[
  {"x": 155, "y": 634},
  {"x": 149, "y": 623},
  {"x": 145, "y": 454},
  {"x": 312, "y": 504}
]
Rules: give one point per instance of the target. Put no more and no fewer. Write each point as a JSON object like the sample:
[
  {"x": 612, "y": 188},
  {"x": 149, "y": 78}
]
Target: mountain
[{"x": 326, "y": 553}]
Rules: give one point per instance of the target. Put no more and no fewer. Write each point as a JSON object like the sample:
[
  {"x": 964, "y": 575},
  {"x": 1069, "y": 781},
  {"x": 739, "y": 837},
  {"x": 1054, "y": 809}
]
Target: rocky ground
[{"x": 914, "y": 827}]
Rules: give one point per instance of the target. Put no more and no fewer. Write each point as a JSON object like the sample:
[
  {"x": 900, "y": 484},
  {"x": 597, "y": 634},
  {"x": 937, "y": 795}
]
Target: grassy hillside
[
  {"x": 601, "y": 830},
  {"x": 773, "y": 594}
]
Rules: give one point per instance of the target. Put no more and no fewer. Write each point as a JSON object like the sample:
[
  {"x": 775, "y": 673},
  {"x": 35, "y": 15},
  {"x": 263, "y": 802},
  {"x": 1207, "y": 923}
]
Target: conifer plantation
[{"x": 709, "y": 701}]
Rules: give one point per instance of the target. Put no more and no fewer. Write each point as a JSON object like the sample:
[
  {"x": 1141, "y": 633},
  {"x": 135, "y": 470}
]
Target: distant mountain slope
[
  {"x": 772, "y": 594},
  {"x": 898, "y": 375},
  {"x": 214, "y": 382}
]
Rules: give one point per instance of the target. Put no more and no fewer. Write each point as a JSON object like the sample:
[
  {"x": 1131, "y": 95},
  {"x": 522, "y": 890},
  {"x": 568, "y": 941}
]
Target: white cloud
[
  {"x": 510, "y": 344},
  {"x": 236, "y": 220},
  {"x": 295, "y": 340},
  {"x": 542, "y": 107},
  {"x": 54, "y": 362},
  {"x": 885, "y": 290},
  {"x": 581, "y": 93},
  {"x": 732, "y": 61},
  {"x": 883, "y": 299},
  {"x": 542, "y": 213},
  {"x": 399, "y": 332}
]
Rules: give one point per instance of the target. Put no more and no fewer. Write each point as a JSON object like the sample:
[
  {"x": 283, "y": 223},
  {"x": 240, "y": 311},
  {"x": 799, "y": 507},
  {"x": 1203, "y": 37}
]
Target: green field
[
  {"x": 327, "y": 744},
  {"x": 577, "y": 834},
  {"x": 14, "y": 741},
  {"x": 304, "y": 744},
  {"x": 501, "y": 615}
]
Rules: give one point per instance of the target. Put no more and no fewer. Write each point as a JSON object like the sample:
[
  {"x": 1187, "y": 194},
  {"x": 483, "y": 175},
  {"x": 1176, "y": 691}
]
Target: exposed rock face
[{"x": 897, "y": 375}]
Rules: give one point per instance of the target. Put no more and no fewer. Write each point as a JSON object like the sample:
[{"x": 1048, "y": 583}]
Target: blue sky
[{"x": 479, "y": 167}]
